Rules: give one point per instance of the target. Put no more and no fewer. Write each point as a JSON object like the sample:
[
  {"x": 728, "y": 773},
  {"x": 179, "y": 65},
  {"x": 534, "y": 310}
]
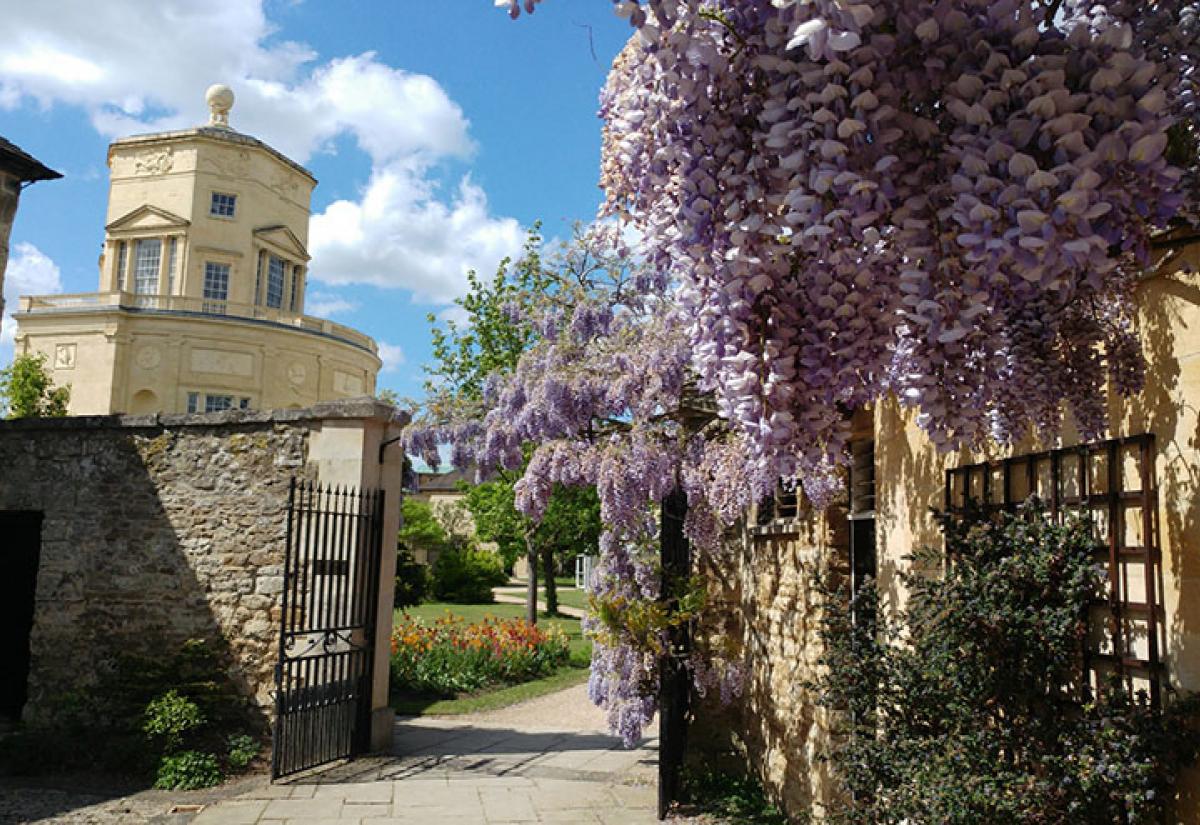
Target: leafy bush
[
  {"x": 188, "y": 771},
  {"x": 730, "y": 798},
  {"x": 169, "y": 717},
  {"x": 242, "y": 751},
  {"x": 451, "y": 657},
  {"x": 467, "y": 575},
  {"x": 965, "y": 709},
  {"x": 137, "y": 710},
  {"x": 28, "y": 391},
  {"x": 412, "y": 580}
]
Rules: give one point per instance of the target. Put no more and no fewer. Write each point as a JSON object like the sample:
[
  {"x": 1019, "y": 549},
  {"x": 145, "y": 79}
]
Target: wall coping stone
[{"x": 346, "y": 409}]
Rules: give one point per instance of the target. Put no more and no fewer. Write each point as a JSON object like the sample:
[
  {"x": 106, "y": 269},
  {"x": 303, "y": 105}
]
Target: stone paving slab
[{"x": 549, "y": 761}]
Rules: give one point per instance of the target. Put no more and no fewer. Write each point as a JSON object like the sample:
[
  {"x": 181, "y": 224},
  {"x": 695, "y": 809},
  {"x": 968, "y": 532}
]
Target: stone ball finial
[{"x": 220, "y": 101}]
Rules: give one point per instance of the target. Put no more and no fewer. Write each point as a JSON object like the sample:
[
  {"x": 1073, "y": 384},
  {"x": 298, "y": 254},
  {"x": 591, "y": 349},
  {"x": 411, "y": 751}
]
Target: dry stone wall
[
  {"x": 156, "y": 530},
  {"x": 765, "y": 599}
]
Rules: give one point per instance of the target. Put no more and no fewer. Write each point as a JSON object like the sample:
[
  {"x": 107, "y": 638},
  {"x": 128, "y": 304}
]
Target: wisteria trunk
[{"x": 674, "y": 691}]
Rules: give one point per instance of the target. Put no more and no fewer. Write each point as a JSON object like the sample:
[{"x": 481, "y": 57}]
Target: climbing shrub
[{"x": 967, "y": 708}]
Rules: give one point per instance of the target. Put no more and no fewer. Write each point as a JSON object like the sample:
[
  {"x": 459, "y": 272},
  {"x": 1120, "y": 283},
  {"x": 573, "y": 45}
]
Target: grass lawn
[
  {"x": 570, "y": 597},
  {"x": 573, "y": 673}
]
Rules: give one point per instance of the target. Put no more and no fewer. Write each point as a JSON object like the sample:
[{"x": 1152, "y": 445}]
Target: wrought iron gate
[
  {"x": 1113, "y": 482},
  {"x": 326, "y": 645}
]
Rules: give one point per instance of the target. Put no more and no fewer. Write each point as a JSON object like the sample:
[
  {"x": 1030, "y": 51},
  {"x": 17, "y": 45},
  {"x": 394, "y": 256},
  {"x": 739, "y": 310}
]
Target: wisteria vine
[{"x": 949, "y": 201}]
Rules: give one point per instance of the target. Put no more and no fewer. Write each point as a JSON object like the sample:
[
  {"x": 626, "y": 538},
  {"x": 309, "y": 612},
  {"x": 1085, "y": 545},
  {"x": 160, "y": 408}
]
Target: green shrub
[
  {"x": 966, "y": 708},
  {"x": 242, "y": 751},
  {"x": 730, "y": 798},
  {"x": 412, "y": 580},
  {"x": 467, "y": 575},
  {"x": 188, "y": 771},
  {"x": 138, "y": 709},
  {"x": 169, "y": 717}
]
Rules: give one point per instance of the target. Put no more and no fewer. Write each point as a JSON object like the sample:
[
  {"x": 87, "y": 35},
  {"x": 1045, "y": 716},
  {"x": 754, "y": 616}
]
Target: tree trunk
[
  {"x": 548, "y": 572},
  {"x": 531, "y": 556},
  {"x": 674, "y": 691}
]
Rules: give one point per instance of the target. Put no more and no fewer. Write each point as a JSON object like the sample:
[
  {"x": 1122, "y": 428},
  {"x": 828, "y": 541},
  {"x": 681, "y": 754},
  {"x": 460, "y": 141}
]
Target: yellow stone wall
[
  {"x": 765, "y": 598},
  {"x": 911, "y": 475},
  {"x": 121, "y": 361}
]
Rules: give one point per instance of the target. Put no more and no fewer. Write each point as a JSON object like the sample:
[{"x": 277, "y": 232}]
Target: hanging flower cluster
[
  {"x": 944, "y": 199},
  {"x": 948, "y": 200}
]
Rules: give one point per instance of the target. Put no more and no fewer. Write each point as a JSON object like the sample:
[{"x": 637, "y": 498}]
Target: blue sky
[{"x": 438, "y": 130}]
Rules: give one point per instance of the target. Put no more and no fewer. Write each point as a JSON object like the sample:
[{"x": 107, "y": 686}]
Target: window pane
[
  {"x": 146, "y": 257},
  {"x": 171, "y": 255},
  {"x": 217, "y": 403},
  {"x": 193, "y": 402},
  {"x": 223, "y": 205},
  {"x": 122, "y": 257},
  {"x": 297, "y": 273},
  {"x": 275, "y": 282},
  {"x": 216, "y": 286}
]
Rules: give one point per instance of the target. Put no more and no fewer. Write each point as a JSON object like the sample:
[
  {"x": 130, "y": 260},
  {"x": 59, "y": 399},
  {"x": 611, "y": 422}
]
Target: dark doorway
[{"x": 20, "y": 549}]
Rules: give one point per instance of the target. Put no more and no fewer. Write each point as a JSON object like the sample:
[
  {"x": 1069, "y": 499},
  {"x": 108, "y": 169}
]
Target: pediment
[
  {"x": 284, "y": 240},
  {"x": 147, "y": 218}
]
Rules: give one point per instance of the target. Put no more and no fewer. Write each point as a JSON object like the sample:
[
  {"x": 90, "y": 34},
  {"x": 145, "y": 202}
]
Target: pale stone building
[
  {"x": 17, "y": 169},
  {"x": 201, "y": 296}
]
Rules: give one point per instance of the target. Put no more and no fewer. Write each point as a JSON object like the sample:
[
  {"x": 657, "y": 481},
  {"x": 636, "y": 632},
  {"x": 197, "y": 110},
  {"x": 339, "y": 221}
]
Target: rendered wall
[{"x": 10, "y": 194}]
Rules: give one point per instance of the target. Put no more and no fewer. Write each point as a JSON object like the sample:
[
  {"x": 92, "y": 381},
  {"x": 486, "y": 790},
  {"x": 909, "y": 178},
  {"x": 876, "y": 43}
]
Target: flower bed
[{"x": 450, "y": 656}]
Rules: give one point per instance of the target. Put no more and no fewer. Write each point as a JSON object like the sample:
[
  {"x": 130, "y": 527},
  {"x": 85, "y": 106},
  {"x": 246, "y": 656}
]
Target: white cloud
[
  {"x": 400, "y": 234},
  {"x": 326, "y": 304},
  {"x": 150, "y": 69},
  {"x": 456, "y": 314},
  {"x": 391, "y": 355},
  {"x": 30, "y": 272}
]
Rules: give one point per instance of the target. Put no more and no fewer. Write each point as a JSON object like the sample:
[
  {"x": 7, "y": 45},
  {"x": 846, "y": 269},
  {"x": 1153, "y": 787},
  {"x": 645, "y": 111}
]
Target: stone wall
[
  {"x": 766, "y": 602},
  {"x": 160, "y": 529}
]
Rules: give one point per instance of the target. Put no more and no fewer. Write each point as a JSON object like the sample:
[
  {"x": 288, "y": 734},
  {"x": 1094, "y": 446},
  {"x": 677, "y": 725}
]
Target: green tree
[
  {"x": 419, "y": 528},
  {"x": 570, "y": 527},
  {"x": 491, "y": 341},
  {"x": 27, "y": 391}
]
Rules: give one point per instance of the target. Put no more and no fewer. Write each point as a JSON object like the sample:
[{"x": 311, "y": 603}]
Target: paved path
[
  {"x": 548, "y": 761},
  {"x": 509, "y": 595}
]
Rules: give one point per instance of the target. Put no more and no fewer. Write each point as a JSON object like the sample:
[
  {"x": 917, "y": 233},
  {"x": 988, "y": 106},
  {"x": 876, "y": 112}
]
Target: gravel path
[{"x": 567, "y": 709}]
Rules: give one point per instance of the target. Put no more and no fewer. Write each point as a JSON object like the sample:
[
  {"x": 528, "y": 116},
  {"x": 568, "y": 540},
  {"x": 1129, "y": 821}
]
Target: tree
[
  {"x": 570, "y": 526},
  {"x": 601, "y": 405},
  {"x": 465, "y": 359},
  {"x": 420, "y": 528},
  {"x": 27, "y": 391}
]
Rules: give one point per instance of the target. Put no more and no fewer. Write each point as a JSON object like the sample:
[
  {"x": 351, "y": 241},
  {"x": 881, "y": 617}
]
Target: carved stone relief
[
  {"x": 153, "y": 162},
  {"x": 223, "y": 362},
  {"x": 64, "y": 357}
]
